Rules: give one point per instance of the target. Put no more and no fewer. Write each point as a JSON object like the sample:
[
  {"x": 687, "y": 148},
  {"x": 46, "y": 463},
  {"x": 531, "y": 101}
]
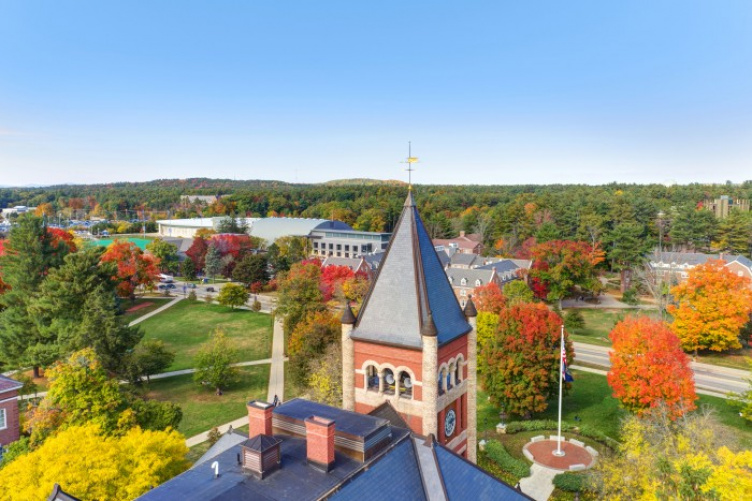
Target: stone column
[
  {"x": 472, "y": 390},
  {"x": 430, "y": 385},
  {"x": 381, "y": 381},
  {"x": 348, "y": 369}
]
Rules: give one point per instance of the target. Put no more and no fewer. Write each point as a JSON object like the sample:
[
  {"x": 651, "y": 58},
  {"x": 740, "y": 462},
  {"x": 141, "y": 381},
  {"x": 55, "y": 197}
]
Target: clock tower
[{"x": 412, "y": 345}]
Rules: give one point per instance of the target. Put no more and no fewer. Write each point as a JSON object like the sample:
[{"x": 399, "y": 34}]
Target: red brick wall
[
  {"x": 12, "y": 432},
  {"x": 320, "y": 440},
  {"x": 397, "y": 357},
  {"x": 414, "y": 422},
  {"x": 451, "y": 350}
]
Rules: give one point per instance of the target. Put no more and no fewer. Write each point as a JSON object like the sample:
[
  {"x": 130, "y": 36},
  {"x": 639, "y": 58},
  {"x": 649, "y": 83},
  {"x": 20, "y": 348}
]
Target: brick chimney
[
  {"x": 259, "y": 418},
  {"x": 320, "y": 442},
  {"x": 462, "y": 234}
]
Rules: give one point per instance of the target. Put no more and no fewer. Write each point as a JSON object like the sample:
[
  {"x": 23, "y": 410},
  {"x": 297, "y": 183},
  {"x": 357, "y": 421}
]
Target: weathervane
[{"x": 410, "y": 161}]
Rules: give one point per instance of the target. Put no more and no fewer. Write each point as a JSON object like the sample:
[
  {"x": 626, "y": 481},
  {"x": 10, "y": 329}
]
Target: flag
[{"x": 567, "y": 376}]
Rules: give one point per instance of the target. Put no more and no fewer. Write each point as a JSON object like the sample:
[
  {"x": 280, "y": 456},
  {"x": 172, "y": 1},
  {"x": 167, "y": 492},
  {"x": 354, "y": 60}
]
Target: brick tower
[{"x": 412, "y": 345}]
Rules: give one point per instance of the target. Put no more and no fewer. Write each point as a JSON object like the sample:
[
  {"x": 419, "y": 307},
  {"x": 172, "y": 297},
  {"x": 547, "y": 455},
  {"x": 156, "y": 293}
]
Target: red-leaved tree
[
  {"x": 61, "y": 236},
  {"x": 489, "y": 298},
  {"x": 332, "y": 277},
  {"x": 649, "y": 368},
  {"x": 519, "y": 365},
  {"x": 134, "y": 267},
  {"x": 562, "y": 265},
  {"x": 197, "y": 253}
]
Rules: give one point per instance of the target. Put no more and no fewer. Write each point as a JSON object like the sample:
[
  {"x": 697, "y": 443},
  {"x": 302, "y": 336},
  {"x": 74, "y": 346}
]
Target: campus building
[
  {"x": 673, "y": 267},
  {"x": 9, "y": 420},
  {"x": 346, "y": 243}
]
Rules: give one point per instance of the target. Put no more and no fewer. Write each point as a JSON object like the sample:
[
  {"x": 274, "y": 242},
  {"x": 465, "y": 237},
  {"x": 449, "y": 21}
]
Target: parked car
[{"x": 210, "y": 289}]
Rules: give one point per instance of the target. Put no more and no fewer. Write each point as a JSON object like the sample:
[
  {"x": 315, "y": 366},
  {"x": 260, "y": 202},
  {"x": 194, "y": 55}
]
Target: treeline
[{"x": 505, "y": 216}]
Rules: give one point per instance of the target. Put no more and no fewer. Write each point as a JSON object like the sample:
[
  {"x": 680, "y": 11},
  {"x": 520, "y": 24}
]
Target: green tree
[
  {"x": 252, "y": 268},
  {"x": 743, "y": 401},
  {"x": 735, "y": 232},
  {"x": 233, "y": 295},
  {"x": 325, "y": 380},
  {"x": 232, "y": 224},
  {"x": 214, "y": 362},
  {"x": 517, "y": 292},
  {"x": 166, "y": 253},
  {"x": 188, "y": 269},
  {"x": 151, "y": 356},
  {"x": 693, "y": 229},
  {"x": 213, "y": 261},
  {"x": 627, "y": 248},
  {"x": 299, "y": 294},
  {"x": 519, "y": 366},
  {"x": 29, "y": 254}
]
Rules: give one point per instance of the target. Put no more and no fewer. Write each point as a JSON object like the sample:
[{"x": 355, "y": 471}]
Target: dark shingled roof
[
  {"x": 410, "y": 284},
  {"x": 388, "y": 412},
  {"x": 470, "y": 310},
  {"x": 8, "y": 384},
  {"x": 58, "y": 494},
  {"x": 348, "y": 317}
]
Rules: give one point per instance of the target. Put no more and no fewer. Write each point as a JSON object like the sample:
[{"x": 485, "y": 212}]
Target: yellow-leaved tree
[
  {"x": 663, "y": 459},
  {"x": 91, "y": 465},
  {"x": 712, "y": 307}
]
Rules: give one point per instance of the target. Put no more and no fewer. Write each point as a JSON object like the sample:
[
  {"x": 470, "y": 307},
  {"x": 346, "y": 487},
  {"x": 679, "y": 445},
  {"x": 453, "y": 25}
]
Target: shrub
[
  {"x": 256, "y": 305},
  {"x": 213, "y": 436},
  {"x": 568, "y": 481},
  {"x": 498, "y": 454},
  {"x": 547, "y": 424},
  {"x": 630, "y": 297},
  {"x": 573, "y": 319},
  {"x": 209, "y": 298}
]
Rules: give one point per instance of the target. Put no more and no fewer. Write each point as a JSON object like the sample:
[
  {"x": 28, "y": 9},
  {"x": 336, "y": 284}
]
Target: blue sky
[{"x": 488, "y": 92}]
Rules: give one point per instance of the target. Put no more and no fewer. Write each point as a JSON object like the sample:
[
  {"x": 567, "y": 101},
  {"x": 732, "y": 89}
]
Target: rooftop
[{"x": 8, "y": 384}]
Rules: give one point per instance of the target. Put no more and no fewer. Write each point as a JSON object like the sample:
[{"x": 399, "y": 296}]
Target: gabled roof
[
  {"x": 410, "y": 285},
  {"x": 351, "y": 262},
  {"x": 8, "y": 384},
  {"x": 470, "y": 275},
  {"x": 388, "y": 412}
]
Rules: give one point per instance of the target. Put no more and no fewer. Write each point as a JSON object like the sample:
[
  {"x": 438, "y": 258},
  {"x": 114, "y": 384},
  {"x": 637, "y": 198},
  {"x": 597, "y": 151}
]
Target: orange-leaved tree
[
  {"x": 649, "y": 368},
  {"x": 134, "y": 268},
  {"x": 489, "y": 298},
  {"x": 519, "y": 364},
  {"x": 712, "y": 306},
  {"x": 560, "y": 265}
]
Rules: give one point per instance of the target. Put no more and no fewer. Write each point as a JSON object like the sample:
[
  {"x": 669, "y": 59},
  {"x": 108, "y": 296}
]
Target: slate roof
[
  {"x": 410, "y": 284},
  {"x": 225, "y": 442},
  {"x": 351, "y": 262},
  {"x": 460, "y": 259},
  {"x": 373, "y": 259},
  {"x": 8, "y": 384},
  {"x": 470, "y": 275},
  {"x": 692, "y": 259},
  {"x": 388, "y": 412}
]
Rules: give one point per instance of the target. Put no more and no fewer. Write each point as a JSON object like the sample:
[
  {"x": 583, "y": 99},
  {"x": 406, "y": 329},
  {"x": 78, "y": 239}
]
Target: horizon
[{"x": 489, "y": 94}]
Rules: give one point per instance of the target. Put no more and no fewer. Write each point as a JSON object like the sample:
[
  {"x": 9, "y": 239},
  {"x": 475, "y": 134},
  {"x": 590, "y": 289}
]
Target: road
[
  {"x": 708, "y": 377},
  {"x": 267, "y": 302}
]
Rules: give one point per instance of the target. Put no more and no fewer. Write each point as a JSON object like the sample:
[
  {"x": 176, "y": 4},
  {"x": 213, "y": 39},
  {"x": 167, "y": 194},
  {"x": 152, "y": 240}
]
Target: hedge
[
  {"x": 548, "y": 424},
  {"x": 498, "y": 454},
  {"x": 568, "y": 481}
]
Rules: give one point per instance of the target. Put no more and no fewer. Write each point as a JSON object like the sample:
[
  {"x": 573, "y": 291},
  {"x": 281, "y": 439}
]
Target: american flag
[{"x": 567, "y": 376}]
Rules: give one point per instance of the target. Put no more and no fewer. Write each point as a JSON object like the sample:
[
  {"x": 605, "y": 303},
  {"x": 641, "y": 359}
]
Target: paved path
[
  {"x": 158, "y": 310},
  {"x": 539, "y": 485},
  {"x": 203, "y": 437},
  {"x": 277, "y": 374},
  {"x": 605, "y": 302},
  {"x": 191, "y": 371}
]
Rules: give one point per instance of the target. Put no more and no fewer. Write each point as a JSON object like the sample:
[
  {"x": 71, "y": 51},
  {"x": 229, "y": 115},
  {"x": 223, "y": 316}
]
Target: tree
[
  {"x": 519, "y": 365},
  {"x": 489, "y": 298},
  {"x": 231, "y": 224},
  {"x": 693, "y": 228},
  {"x": 627, "y": 250},
  {"x": 712, "y": 306},
  {"x": 188, "y": 269},
  {"x": 649, "y": 368},
  {"x": 116, "y": 467},
  {"x": 251, "y": 268},
  {"x": 166, "y": 254},
  {"x": 197, "y": 253},
  {"x": 299, "y": 293},
  {"x": 487, "y": 323},
  {"x": 332, "y": 279},
  {"x": 659, "y": 458},
  {"x": 213, "y": 261},
  {"x": 562, "y": 265},
  {"x": 134, "y": 268},
  {"x": 517, "y": 292},
  {"x": 743, "y": 401},
  {"x": 29, "y": 254},
  {"x": 151, "y": 356},
  {"x": 735, "y": 233},
  {"x": 309, "y": 339},
  {"x": 233, "y": 295},
  {"x": 325, "y": 380},
  {"x": 214, "y": 362}
]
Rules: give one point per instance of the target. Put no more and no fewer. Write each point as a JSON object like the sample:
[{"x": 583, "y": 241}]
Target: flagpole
[{"x": 558, "y": 451}]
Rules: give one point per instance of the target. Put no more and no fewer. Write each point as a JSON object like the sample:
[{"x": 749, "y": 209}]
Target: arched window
[
  {"x": 448, "y": 377},
  {"x": 405, "y": 385},
  {"x": 372, "y": 378},
  {"x": 477, "y": 283},
  {"x": 389, "y": 382},
  {"x": 442, "y": 382},
  {"x": 458, "y": 372},
  {"x": 463, "y": 281}
]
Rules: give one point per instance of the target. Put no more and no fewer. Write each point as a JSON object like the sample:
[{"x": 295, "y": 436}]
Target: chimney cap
[
  {"x": 321, "y": 421},
  {"x": 259, "y": 404}
]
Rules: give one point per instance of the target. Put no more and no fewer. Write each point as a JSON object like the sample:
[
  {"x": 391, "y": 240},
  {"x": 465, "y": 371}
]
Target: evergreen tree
[
  {"x": 213, "y": 264},
  {"x": 252, "y": 268},
  {"x": 188, "y": 269},
  {"x": 30, "y": 252},
  {"x": 627, "y": 250},
  {"x": 735, "y": 233}
]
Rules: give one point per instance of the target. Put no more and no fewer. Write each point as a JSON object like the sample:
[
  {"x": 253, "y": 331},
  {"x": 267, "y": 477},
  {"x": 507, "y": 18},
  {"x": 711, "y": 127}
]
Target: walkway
[
  {"x": 158, "y": 310},
  {"x": 539, "y": 485},
  {"x": 277, "y": 374}
]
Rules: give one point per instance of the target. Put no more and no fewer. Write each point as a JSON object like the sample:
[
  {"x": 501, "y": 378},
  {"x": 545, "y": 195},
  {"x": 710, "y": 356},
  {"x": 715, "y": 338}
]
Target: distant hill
[{"x": 363, "y": 182}]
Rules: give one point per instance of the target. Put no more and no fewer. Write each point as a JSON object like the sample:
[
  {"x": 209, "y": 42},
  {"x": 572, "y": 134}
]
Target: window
[
  {"x": 339, "y": 247},
  {"x": 3, "y": 422},
  {"x": 406, "y": 385},
  {"x": 347, "y": 248},
  {"x": 477, "y": 283},
  {"x": 463, "y": 281},
  {"x": 315, "y": 245},
  {"x": 463, "y": 293},
  {"x": 458, "y": 373},
  {"x": 389, "y": 382},
  {"x": 372, "y": 378}
]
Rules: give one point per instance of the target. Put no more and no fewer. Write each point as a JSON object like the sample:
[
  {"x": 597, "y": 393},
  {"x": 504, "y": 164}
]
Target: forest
[{"x": 507, "y": 218}]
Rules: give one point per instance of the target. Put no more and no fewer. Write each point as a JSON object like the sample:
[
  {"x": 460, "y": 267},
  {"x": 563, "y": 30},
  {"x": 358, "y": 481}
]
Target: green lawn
[
  {"x": 188, "y": 324},
  {"x": 599, "y": 322},
  {"x": 202, "y": 408},
  {"x": 151, "y": 305},
  {"x": 591, "y": 400}
]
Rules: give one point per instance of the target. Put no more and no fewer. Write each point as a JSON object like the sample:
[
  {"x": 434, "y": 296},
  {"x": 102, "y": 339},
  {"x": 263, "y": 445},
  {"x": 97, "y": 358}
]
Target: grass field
[
  {"x": 202, "y": 408},
  {"x": 188, "y": 324},
  {"x": 152, "y": 304},
  {"x": 590, "y": 399},
  {"x": 599, "y": 322}
]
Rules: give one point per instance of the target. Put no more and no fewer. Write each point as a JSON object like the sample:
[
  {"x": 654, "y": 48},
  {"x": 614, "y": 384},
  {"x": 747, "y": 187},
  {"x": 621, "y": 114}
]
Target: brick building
[
  {"x": 9, "y": 423},
  {"x": 412, "y": 345}
]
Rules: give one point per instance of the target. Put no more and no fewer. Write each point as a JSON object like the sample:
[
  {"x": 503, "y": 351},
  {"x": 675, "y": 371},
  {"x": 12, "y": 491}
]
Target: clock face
[{"x": 450, "y": 422}]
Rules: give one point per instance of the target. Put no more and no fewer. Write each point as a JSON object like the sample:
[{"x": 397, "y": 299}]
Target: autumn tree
[
  {"x": 332, "y": 279},
  {"x": 197, "y": 253},
  {"x": 356, "y": 287},
  {"x": 116, "y": 467},
  {"x": 712, "y": 306},
  {"x": 251, "y": 268},
  {"x": 166, "y": 254},
  {"x": 519, "y": 365},
  {"x": 649, "y": 368},
  {"x": 214, "y": 362},
  {"x": 299, "y": 293},
  {"x": 233, "y": 295},
  {"x": 659, "y": 458},
  {"x": 309, "y": 339},
  {"x": 134, "y": 268},
  {"x": 562, "y": 265},
  {"x": 517, "y": 292},
  {"x": 743, "y": 400},
  {"x": 489, "y": 298},
  {"x": 325, "y": 379}
]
